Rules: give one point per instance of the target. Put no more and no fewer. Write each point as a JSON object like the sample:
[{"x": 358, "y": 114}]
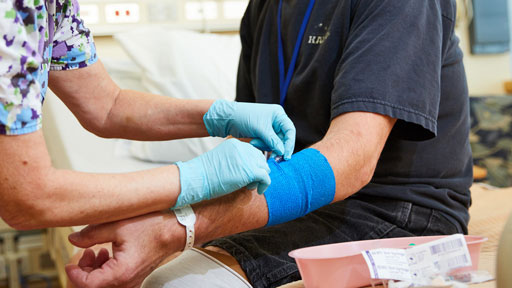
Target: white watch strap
[{"x": 186, "y": 217}]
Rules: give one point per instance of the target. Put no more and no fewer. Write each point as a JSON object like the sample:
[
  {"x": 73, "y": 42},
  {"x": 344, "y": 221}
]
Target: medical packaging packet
[
  {"x": 458, "y": 280},
  {"x": 419, "y": 264}
]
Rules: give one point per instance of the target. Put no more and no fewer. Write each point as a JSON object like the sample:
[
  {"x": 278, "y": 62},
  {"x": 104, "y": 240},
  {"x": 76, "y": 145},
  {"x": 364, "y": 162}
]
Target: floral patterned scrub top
[{"x": 37, "y": 36}]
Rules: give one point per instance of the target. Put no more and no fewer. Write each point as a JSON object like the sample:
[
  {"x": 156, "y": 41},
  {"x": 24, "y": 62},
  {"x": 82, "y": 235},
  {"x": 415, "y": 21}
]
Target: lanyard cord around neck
[{"x": 284, "y": 80}]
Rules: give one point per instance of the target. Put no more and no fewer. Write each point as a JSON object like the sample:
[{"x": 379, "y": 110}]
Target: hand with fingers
[
  {"x": 267, "y": 124},
  {"x": 228, "y": 167},
  {"x": 138, "y": 246}
]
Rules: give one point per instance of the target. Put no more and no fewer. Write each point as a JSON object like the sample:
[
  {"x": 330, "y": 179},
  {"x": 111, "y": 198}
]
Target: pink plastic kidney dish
[{"x": 342, "y": 265}]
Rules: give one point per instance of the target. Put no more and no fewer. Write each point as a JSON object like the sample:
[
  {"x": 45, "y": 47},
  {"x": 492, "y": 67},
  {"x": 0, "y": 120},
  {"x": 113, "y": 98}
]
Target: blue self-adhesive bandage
[{"x": 299, "y": 186}]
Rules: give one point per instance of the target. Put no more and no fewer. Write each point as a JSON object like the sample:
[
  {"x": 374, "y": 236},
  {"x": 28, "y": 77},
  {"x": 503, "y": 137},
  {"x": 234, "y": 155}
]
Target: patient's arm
[{"x": 352, "y": 146}]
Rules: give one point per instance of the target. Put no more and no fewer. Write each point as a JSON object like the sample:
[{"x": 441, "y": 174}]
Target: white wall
[{"x": 486, "y": 73}]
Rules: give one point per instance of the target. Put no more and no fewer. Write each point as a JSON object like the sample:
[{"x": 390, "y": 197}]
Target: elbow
[
  {"x": 103, "y": 123},
  {"x": 363, "y": 176},
  {"x": 367, "y": 170},
  {"x": 31, "y": 218},
  {"x": 98, "y": 128},
  {"x": 16, "y": 213},
  {"x": 20, "y": 220},
  {"x": 11, "y": 220},
  {"x": 366, "y": 175},
  {"x": 23, "y": 216},
  {"x": 20, "y": 224},
  {"x": 352, "y": 180},
  {"x": 29, "y": 208}
]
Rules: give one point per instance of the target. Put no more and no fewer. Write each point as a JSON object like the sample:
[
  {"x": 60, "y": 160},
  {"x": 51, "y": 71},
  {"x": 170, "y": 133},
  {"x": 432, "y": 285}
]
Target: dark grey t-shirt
[{"x": 393, "y": 57}]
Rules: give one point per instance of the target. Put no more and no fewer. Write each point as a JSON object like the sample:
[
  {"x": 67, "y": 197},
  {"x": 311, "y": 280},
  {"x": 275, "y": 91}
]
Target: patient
[{"x": 379, "y": 99}]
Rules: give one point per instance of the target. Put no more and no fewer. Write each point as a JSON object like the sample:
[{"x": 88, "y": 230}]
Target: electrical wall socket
[
  {"x": 90, "y": 13},
  {"x": 122, "y": 13}
]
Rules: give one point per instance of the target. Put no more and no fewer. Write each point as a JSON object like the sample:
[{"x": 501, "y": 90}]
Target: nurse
[{"x": 44, "y": 44}]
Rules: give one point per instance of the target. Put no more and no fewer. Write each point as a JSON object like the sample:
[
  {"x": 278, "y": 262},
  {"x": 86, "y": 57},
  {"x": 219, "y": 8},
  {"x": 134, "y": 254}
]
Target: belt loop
[{"x": 403, "y": 214}]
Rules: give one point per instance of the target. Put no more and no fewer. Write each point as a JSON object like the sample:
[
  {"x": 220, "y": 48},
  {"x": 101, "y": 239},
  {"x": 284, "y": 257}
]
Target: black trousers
[{"x": 263, "y": 253}]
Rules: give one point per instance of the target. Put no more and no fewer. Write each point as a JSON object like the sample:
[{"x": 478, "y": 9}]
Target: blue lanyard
[{"x": 284, "y": 83}]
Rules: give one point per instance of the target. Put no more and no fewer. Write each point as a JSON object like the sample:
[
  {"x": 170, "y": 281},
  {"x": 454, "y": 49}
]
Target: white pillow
[{"x": 186, "y": 65}]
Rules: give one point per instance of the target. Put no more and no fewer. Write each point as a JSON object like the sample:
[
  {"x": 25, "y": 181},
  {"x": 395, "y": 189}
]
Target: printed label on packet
[
  {"x": 440, "y": 256},
  {"x": 419, "y": 262},
  {"x": 387, "y": 263}
]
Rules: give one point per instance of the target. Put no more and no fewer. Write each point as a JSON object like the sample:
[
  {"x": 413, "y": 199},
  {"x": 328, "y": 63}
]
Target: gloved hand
[
  {"x": 267, "y": 124},
  {"x": 226, "y": 168}
]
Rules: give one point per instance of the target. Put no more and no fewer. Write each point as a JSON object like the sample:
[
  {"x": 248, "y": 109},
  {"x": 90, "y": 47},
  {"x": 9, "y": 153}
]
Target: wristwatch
[{"x": 186, "y": 217}]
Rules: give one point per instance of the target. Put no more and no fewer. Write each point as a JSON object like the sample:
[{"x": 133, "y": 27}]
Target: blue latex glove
[
  {"x": 226, "y": 168},
  {"x": 267, "y": 124}
]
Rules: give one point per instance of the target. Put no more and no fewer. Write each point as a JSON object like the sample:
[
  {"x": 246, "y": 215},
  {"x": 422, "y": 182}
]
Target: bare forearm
[
  {"x": 50, "y": 197},
  {"x": 161, "y": 118},
  {"x": 108, "y": 111},
  {"x": 73, "y": 198},
  {"x": 241, "y": 211},
  {"x": 84, "y": 198}
]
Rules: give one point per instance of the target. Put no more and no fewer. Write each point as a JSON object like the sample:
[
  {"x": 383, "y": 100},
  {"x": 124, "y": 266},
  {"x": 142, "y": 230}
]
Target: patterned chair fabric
[{"x": 491, "y": 137}]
